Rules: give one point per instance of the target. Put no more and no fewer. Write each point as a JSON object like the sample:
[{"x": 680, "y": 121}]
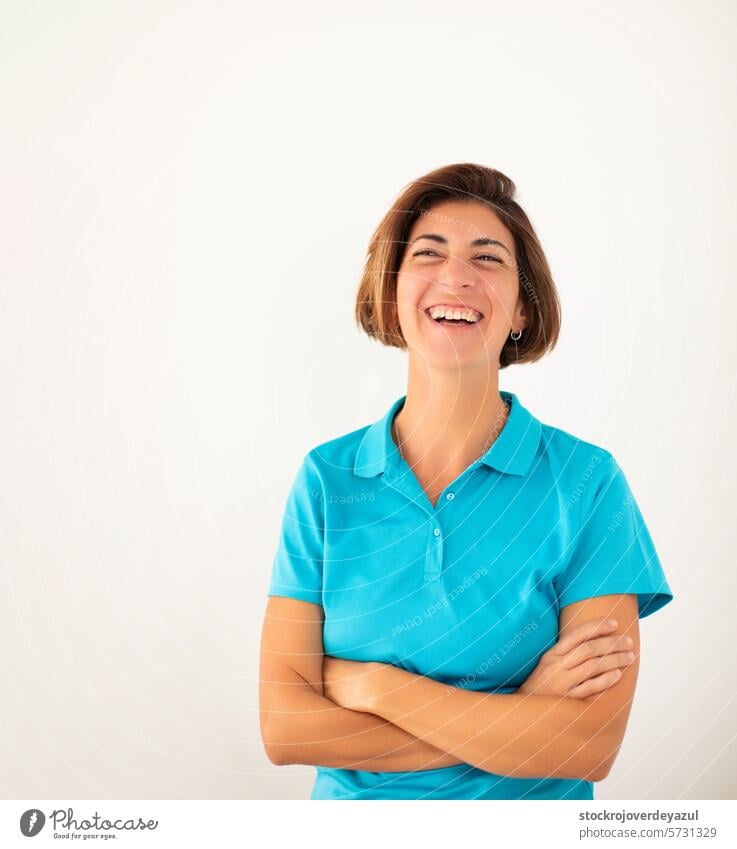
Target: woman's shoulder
[
  {"x": 578, "y": 469},
  {"x": 570, "y": 455},
  {"x": 337, "y": 455}
]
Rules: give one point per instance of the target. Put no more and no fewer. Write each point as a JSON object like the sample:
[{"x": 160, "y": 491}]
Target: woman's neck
[{"x": 449, "y": 418}]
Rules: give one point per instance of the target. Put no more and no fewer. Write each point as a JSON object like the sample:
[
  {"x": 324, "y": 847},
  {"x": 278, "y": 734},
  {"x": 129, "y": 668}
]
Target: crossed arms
[{"x": 399, "y": 721}]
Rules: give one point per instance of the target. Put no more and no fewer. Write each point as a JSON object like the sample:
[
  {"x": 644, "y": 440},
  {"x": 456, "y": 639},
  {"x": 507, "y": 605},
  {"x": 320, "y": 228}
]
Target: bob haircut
[{"x": 376, "y": 307}]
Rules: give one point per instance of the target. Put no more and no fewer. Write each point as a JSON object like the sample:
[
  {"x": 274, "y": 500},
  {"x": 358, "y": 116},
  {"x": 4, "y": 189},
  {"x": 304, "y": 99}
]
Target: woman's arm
[
  {"x": 519, "y": 735},
  {"x": 300, "y": 725}
]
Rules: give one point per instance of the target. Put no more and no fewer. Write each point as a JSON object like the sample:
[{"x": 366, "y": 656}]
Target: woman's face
[{"x": 459, "y": 254}]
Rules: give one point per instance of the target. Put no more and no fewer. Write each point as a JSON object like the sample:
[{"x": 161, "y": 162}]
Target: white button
[
  {"x": 437, "y": 532},
  {"x": 450, "y": 496}
]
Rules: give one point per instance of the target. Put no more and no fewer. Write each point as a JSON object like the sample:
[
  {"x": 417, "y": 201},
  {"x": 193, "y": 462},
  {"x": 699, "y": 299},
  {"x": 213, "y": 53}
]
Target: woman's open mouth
[{"x": 457, "y": 320}]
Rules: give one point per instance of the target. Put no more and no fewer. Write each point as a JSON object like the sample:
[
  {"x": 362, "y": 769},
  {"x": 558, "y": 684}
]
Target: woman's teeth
[{"x": 449, "y": 314}]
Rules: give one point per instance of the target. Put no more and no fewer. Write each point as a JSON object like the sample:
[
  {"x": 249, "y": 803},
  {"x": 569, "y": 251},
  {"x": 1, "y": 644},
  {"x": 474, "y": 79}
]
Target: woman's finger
[
  {"x": 596, "y": 648},
  {"x": 581, "y": 633},
  {"x": 595, "y": 685},
  {"x": 596, "y": 665}
]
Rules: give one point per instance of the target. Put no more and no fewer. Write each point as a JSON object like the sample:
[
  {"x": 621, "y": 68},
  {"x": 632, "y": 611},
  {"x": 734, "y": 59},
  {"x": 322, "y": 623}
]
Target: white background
[{"x": 187, "y": 191}]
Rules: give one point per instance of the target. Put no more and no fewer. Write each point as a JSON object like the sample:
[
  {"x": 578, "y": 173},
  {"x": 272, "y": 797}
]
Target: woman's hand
[
  {"x": 585, "y": 662},
  {"x": 350, "y": 683}
]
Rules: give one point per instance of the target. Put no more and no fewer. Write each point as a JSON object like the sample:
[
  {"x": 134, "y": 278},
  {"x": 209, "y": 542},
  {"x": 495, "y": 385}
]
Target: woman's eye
[
  {"x": 428, "y": 251},
  {"x": 489, "y": 256}
]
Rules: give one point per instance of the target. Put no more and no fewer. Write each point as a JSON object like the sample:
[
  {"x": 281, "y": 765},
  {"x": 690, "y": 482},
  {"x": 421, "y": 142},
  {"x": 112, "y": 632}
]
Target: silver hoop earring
[{"x": 518, "y": 336}]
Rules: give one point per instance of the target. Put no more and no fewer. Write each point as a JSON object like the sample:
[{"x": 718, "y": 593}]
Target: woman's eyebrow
[{"x": 474, "y": 244}]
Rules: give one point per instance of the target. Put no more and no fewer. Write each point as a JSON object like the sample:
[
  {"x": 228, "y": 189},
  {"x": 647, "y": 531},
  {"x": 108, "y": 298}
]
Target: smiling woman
[
  {"x": 462, "y": 218},
  {"x": 506, "y": 543}
]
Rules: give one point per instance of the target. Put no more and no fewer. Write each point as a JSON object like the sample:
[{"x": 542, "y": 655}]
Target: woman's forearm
[
  {"x": 313, "y": 730},
  {"x": 524, "y": 736}
]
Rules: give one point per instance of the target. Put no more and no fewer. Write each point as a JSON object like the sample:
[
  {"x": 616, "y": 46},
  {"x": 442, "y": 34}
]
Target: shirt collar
[{"x": 511, "y": 452}]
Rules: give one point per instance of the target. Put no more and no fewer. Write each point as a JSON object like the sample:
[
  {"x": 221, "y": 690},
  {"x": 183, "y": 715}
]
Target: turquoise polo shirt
[{"x": 467, "y": 592}]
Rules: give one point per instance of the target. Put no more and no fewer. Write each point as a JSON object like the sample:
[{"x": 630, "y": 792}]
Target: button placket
[
  {"x": 434, "y": 557},
  {"x": 404, "y": 482}
]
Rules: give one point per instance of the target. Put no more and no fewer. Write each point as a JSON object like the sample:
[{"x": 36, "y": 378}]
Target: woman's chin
[
  {"x": 455, "y": 358},
  {"x": 451, "y": 350}
]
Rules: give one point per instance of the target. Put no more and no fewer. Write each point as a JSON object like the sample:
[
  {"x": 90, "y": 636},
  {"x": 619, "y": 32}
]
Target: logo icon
[{"x": 31, "y": 822}]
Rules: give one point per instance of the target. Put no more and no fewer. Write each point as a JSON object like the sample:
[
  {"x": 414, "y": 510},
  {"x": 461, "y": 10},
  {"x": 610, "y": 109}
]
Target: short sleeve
[
  {"x": 613, "y": 551},
  {"x": 297, "y": 567}
]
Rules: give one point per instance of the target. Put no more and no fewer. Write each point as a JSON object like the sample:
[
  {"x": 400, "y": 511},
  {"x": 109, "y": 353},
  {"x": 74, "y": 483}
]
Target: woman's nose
[{"x": 455, "y": 273}]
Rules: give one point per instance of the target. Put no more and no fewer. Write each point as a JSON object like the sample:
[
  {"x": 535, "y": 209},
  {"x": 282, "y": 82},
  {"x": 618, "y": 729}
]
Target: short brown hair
[{"x": 376, "y": 308}]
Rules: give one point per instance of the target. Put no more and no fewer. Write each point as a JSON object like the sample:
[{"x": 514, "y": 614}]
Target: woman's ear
[{"x": 520, "y": 315}]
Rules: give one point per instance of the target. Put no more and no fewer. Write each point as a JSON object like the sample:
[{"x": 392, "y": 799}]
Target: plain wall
[{"x": 187, "y": 191}]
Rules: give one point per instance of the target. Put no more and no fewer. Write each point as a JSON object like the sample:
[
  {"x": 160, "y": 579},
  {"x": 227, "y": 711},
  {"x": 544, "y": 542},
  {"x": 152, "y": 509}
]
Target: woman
[{"x": 438, "y": 622}]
